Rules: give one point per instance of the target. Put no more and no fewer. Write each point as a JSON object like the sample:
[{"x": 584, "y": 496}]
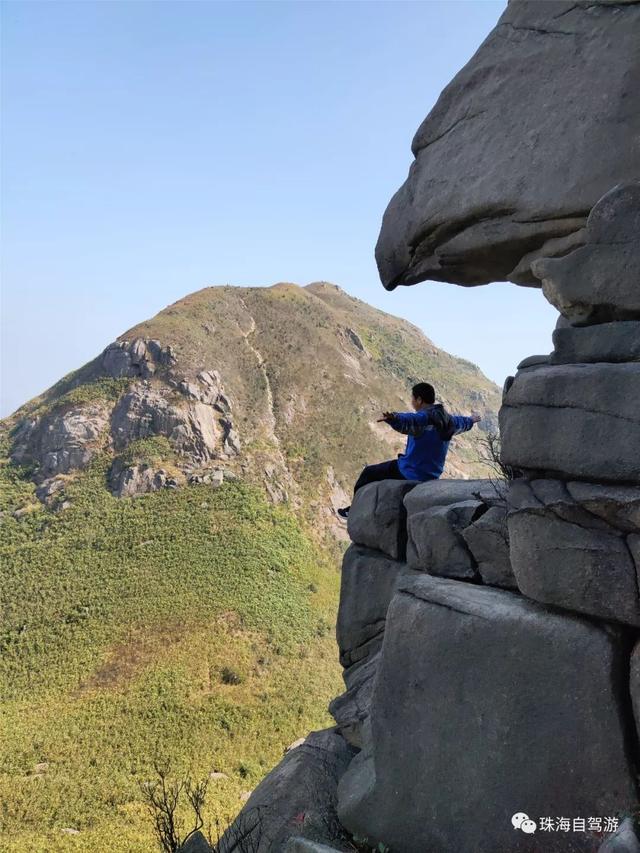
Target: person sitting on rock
[{"x": 429, "y": 429}]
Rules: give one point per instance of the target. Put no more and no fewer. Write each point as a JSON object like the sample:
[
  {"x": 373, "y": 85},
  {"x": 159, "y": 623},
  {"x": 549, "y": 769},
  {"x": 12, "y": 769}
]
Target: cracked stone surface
[
  {"x": 296, "y": 799},
  {"x": 576, "y": 546},
  {"x": 135, "y": 358},
  {"x": 351, "y": 709},
  {"x": 436, "y": 544},
  {"x": 576, "y": 420},
  {"x": 444, "y": 492},
  {"x": 377, "y": 517},
  {"x": 612, "y": 342},
  {"x": 507, "y": 167},
  {"x": 368, "y": 582},
  {"x": 63, "y": 440},
  {"x": 600, "y": 281},
  {"x": 146, "y": 411},
  {"x": 488, "y": 541},
  {"x": 438, "y": 773}
]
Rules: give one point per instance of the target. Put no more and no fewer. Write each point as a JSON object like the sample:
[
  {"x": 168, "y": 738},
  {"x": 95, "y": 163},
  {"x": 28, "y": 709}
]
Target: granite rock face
[
  {"x": 488, "y": 541},
  {"x": 577, "y": 420},
  {"x": 146, "y": 411},
  {"x": 131, "y": 480},
  {"x": 446, "y": 492},
  {"x": 135, "y": 358},
  {"x": 600, "y": 281},
  {"x": 507, "y": 166},
  {"x": 351, "y": 709},
  {"x": 63, "y": 440},
  {"x": 444, "y": 774},
  {"x": 610, "y": 342},
  {"x": 436, "y": 544},
  {"x": 297, "y": 799},
  {"x": 377, "y": 517},
  {"x": 573, "y": 546},
  {"x": 368, "y": 582}
]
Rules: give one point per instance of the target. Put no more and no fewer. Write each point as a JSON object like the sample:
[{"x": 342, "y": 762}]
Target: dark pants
[{"x": 381, "y": 471}]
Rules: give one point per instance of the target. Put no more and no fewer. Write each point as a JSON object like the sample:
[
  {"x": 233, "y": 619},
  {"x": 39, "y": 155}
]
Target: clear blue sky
[{"x": 153, "y": 148}]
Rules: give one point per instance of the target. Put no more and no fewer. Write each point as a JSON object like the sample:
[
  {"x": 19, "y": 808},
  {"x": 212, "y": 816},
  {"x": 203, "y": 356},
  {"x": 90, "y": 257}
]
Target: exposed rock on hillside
[
  {"x": 145, "y": 411},
  {"x": 135, "y": 358},
  {"x": 283, "y": 394},
  {"x": 539, "y": 124},
  {"x": 61, "y": 441}
]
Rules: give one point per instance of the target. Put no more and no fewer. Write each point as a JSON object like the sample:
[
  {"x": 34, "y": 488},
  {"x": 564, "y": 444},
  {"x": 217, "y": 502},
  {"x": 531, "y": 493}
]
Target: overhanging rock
[{"x": 540, "y": 123}]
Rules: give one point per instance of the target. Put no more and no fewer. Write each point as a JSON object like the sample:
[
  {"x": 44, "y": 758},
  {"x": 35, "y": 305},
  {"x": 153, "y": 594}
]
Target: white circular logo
[{"x": 521, "y": 820}]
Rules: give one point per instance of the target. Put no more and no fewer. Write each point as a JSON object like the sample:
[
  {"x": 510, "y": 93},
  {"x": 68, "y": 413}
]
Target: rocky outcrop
[
  {"x": 498, "y": 670},
  {"x": 490, "y": 631},
  {"x": 606, "y": 342},
  {"x": 147, "y": 411},
  {"x": 539, "y": 124},
  {"x": 297, "y": 799},
  {"x": 576, "y": 546},
  {"x": 135, "y": 358},
  {"x": 369, "y": 581},
  {"x": 599, "y": 281},
  {"x": 566, "y": 419},
  {"x": 127, "y": 481},
  {"x": 455, "y": 748},
  {"x": 195, "y": 415},
  {"x": 382, "y": 504},
  {"x": 63, "y": 440}
]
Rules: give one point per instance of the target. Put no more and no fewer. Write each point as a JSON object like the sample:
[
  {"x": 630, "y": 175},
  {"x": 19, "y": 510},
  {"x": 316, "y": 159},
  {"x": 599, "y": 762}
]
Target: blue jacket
[{"x": 429, "y": 431}]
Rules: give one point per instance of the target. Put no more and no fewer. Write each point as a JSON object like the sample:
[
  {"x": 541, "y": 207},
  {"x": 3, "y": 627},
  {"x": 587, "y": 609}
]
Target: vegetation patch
[{"x": 187, "y": 626}]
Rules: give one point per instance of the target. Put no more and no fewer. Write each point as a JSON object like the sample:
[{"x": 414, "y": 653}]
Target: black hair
[{"x": 425, "y": 391}]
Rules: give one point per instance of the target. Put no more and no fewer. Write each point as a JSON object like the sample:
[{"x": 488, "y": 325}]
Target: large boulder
[
  {"x": 351, "y": 709},
  {"x": 617, "y": 341},
  {"x": 368, "y": 583},
  {"x": 297, "y": 799},
  {"x": 551, "y": 94},
  {"x": 575, "y": 420},
  {"x": 436, "y": 544},
  {"x": 377, "y": 517},
  {"x": 487, "y": 538},
  {"x": 572, "y": 545},
  {"x": 135, "y": 358},
  {"x": 445, "y": 492},
  {"x": 601, "y": 280},
  {"x": 130, "y": 480},
  {"x": 532, "y": 734}
]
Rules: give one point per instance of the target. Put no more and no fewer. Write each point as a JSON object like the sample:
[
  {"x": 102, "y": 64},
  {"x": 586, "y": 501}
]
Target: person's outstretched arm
[
  {"x": 407, "y": 423},
  {"x": 464, "y": 423}
]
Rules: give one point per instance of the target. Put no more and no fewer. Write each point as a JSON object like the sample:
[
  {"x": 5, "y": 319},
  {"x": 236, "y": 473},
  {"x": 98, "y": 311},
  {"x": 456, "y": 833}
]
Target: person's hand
[
  {"x": 386, "y": 417},
  {"x": 475, "y": 417}
]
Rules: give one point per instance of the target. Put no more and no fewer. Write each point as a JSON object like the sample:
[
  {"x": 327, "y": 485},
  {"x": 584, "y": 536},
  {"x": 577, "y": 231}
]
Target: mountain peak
[{"x": 279, "y": 385}]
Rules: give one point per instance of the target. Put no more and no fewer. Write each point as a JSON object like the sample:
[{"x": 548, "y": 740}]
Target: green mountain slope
[{"x": 169, "y": 554}]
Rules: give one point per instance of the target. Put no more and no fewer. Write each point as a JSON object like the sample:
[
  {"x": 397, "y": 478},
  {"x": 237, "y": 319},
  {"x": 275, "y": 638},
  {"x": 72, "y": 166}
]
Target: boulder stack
[{"x": 490, "y": 632}]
